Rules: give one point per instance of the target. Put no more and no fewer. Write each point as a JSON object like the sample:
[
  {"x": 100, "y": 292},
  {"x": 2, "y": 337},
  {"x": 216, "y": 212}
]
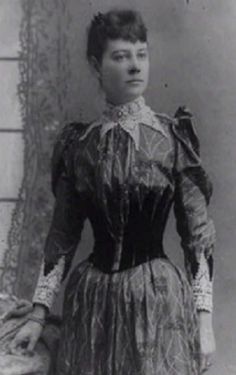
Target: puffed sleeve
[
  {"x": 192, "y": 195},
  {"x": 67, "y": 223}
]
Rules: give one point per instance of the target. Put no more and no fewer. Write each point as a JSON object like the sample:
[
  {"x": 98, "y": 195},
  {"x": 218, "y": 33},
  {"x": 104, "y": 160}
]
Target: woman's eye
[
  {"x": 142, "y": 55},
  {"x": 119, "y": 57}
]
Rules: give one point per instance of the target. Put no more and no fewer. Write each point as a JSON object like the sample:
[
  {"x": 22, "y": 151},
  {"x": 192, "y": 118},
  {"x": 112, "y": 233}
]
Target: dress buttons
[{"x": 119, "y": 113}]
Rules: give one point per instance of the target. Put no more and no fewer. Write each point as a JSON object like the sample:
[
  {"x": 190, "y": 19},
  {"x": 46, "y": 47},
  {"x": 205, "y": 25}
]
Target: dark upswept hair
[{"x": 116, "y": 24}]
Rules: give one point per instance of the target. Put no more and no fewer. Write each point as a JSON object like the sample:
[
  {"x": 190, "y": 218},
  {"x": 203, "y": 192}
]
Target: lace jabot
[{"x": 129, "y": 116}]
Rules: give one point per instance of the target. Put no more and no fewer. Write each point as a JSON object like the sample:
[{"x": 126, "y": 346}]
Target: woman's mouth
[{"x": 134, "y": 81}]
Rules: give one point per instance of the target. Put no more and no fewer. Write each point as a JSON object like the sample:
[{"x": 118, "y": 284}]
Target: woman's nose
[{"x": 134, "y": 66}]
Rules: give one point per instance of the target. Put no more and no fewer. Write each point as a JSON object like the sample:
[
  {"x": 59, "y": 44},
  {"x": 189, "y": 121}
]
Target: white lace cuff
[
  {"x": 48, "y": 286},
  {"x": 202, "y": 287}
]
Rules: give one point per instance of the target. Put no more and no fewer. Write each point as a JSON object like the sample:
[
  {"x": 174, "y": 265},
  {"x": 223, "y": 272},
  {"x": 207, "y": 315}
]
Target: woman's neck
[{"x": 121, "y": 104}]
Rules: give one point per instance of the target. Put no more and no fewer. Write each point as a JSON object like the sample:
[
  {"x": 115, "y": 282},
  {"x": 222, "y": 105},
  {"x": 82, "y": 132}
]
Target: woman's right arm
[
  {"x": 61, "y": 243},
  {"x": 27, "y": 337}
]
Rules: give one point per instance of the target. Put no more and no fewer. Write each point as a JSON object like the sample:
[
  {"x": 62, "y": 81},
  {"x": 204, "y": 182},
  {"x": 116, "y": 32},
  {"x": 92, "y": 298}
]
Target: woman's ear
[{"x": 95, "y": 66}]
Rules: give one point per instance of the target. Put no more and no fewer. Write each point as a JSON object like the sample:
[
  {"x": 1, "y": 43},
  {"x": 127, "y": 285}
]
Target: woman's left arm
[{"x": 192, "y": 194}]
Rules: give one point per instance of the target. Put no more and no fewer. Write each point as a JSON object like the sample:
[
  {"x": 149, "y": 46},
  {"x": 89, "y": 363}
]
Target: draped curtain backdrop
[
  {"x": 43, "y": 93},
  {"x": 193, "y": 62}
]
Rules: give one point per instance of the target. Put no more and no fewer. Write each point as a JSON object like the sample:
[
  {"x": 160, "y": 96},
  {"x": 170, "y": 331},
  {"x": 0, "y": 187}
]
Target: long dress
[{"x": 128, "y": 310}]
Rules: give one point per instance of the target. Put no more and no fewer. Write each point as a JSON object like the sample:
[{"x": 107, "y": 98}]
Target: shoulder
[
  {"x": 181, "y": 128},
  {"x": 165, "y": 119},
  {"x": 185, "y": 129},
  {"x": 166, "y": 123},
  {"x": 70, "y": 133},
  {"x": 61, "y": 155}
]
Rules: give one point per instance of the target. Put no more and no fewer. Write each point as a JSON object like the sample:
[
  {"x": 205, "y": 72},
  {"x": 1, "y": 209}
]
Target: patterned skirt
[{"x": 140, "y": 321}]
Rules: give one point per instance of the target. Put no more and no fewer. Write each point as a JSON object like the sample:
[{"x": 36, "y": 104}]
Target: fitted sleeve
[
  {"x": 192, "y": 195},
  {"x": 67, "y": 223}
]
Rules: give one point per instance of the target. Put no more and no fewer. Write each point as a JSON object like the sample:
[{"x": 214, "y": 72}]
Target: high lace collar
[
  {"x": 121, "y": 112},
  {"x": 129, "y": 116}
]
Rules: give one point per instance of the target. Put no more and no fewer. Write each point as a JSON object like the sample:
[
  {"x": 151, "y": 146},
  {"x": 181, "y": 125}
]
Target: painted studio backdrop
[{"x": 45, "y": 82}]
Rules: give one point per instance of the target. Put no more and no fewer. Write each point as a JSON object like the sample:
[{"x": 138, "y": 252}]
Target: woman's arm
[
  {"x": 192, "y": 194},
  {"x": 61, "y": 243},
  {"x": 193, "y": 191}
]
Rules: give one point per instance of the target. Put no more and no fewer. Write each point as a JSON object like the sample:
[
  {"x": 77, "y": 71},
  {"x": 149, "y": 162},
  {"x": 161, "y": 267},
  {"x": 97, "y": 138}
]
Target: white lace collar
[{"x": 128, "y": 116}]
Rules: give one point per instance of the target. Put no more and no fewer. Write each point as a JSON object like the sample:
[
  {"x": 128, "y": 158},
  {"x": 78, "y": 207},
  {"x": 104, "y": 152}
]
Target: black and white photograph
[{"x": 117, "y": 188}]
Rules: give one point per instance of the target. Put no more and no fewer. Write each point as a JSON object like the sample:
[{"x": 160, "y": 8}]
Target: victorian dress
[{"x": 128, "y": 310}]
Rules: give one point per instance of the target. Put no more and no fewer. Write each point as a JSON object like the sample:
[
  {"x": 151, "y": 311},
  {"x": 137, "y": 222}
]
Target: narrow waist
[{"x": 106, "y": 265}]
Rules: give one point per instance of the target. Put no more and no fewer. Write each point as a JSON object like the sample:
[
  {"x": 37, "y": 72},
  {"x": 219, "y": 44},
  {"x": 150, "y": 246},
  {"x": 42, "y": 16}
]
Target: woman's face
[{"x": 124, "y": 70}]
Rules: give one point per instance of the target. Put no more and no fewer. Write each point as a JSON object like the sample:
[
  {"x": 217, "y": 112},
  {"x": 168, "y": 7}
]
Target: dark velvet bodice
[{"x": 126, "y": 190}]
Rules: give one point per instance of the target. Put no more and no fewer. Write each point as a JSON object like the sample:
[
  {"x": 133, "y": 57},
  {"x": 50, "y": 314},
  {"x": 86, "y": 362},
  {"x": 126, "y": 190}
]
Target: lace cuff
[
  {"x": 48, "y": 286},
  {"x": 202, "y": 286}
]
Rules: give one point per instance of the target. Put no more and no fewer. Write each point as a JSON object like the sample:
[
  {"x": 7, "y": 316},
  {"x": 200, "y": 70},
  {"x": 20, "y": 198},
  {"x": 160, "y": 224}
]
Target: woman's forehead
[{"x": 121, "y": 44}]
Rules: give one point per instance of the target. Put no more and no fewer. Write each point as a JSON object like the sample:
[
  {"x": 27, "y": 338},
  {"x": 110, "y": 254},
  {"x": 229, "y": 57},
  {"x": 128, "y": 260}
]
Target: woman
[{"x": 127, "y": 309}]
